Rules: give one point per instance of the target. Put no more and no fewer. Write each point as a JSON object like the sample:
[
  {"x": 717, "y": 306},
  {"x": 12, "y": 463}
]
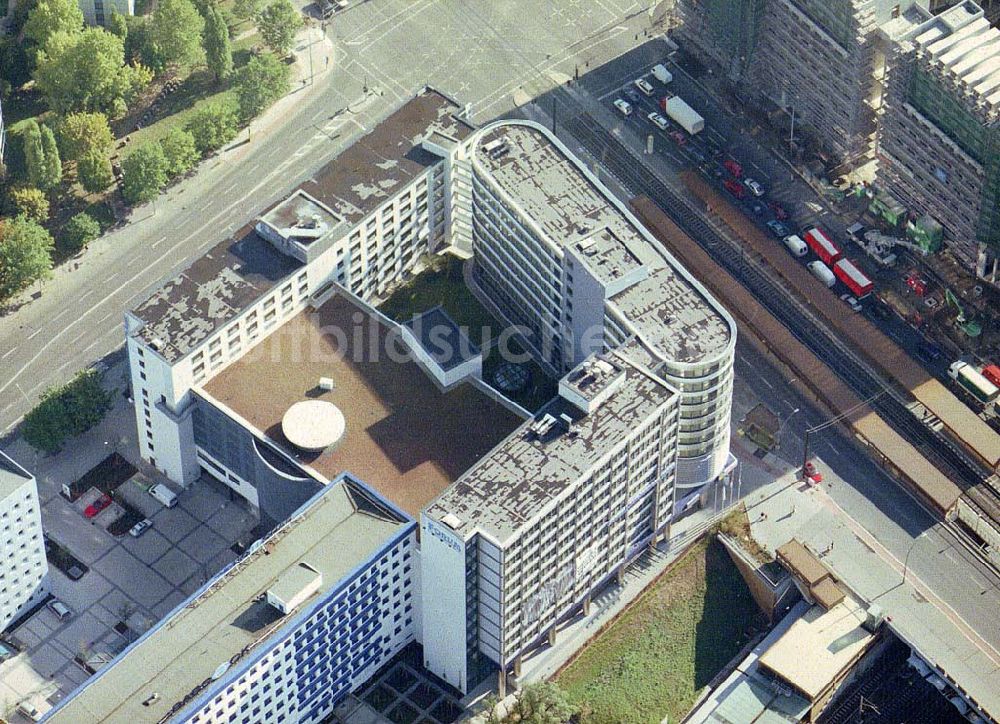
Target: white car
[
  {"x": 624, "y": 107},
  {"x": 139, "y": 528},
  {"x": 755, "y": 188},
  {"x": 60, "y": 609},
  {"x": 645, "y": 86},
  {"x": 851, "y": 302},
  {"x": 659, "y": 121}
]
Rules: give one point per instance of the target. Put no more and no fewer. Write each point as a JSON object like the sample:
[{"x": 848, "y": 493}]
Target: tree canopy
[
  {"x": 41, "y": 156},
  {"x": 278, "y": 23},
  {"x": 25, "y": 255},
  {"x": 212, "y": 125},
  {"x": 53, "y": 16},
  {"x": 175, "y": 30},
  {"x": 218, "y": 50},
  {"x": 31, "y": 202},
  {"x": 260, "y": 83},
  {"x": 145, "y": 173},
  {"x": 87, "y": 72},
  {"x": 80, "y": 133},
  {"x": 79, "y": 231},
  {"x": 179, "y": 150},
  {"x": 66, "y": 411},
  {"x": 93, "y": 170}
]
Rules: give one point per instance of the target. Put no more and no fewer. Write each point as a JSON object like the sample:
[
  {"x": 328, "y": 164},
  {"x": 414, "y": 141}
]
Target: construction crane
[{"x": 971, "y": 327}]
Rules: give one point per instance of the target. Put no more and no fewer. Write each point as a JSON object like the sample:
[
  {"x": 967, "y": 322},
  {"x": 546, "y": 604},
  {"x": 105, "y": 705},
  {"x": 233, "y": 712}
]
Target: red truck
[
  {"x": 992, "y": 373},
  {"x": 822, "y": 246},
  {"x": 855, "y": 280}
]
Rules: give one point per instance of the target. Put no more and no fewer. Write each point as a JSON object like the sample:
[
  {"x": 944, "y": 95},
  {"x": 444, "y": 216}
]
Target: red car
[
  {"x": 678, "y": 138},
  {"x": 97, "y": 506},
  {"x": 813, "y": 475},
  {"x": 733, "y": 167},
  {"x": 734, "y": 187},
  {"x": 780, "y": 213}
]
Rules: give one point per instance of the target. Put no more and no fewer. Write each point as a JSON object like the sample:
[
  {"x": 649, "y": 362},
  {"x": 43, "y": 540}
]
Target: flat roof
[
  {"x": 819, "y": 646},
  {"x": 506, "y": 490},
  {"x": 404, "y": 437},
  {"x": 375, "y": 167},
  {"x": 12, "y": 476},
  {"x": 441, "y": 338},
  {"x": 215, "y": 288},
  {"x": 679, "y": 320},
  {"x": 341, "y": 528}
]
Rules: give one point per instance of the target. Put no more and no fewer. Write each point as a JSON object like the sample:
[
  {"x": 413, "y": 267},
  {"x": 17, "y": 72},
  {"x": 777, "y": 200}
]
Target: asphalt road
[{"x": 483, "y": 53}]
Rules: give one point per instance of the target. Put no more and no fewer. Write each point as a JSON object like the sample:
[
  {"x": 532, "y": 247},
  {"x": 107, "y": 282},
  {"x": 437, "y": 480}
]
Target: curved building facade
[{"x": 559, "y": 255}]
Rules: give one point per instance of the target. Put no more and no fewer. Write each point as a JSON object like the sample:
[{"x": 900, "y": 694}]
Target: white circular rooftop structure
[{"x": 313, "y": 425}]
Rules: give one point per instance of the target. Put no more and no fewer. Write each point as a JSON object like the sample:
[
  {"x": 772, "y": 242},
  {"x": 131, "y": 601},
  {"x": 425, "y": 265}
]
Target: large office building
[
  {"x": 265, "y": 365},
  {"x": 23, "y": 567},
  {"x": 939, "y": 137},
  {"x": 815, "y": 58},
  {"x": 308, "y": 614}
]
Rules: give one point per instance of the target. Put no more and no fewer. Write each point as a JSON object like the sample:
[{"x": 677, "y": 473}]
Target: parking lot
[{"x": 132, "y": 580}]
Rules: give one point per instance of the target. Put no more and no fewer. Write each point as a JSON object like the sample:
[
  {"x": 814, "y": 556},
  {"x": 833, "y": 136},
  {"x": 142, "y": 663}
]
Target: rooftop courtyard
[{"x": 404, "y": 437}]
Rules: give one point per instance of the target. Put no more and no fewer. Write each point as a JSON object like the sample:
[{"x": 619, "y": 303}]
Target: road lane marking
[
  {"x": 9, "y": 352},
  {"x": 33, "y": 335},
  {"x": 159, "y": 241}
]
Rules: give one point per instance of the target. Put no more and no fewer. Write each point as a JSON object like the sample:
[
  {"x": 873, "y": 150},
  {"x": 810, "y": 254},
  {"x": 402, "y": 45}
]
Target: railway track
[{"x": 632, "y": 174}]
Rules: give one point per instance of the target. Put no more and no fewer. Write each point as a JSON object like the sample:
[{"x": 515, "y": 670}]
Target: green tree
[
  {"x": 87, "y": 72},
  {"x": 15, "y": 66},
  {"x": 278, "y": 23},
  {"x": 25, "y": 255},
  {"x": 34, "y": 154},
  {"x": 144, "y": 173},
  {"x": 212, "y": 126},
  {"x": 247, "y": 9},
  {"x": 118, "y": 25},
  {"x": 218, "y": 50},
  {"x": 175, "y": 29},
  {"x": 179, "y": 150},
  {"x": 80, "y": 133},
  {"x": 53, "y": 16},
  {"x": 66, "y": 411},
  {"x": 52, "y": 175},
  {"x": 31, "y": 202},
  {"x": 260, "y": 83},
  {"x": 79, "y": 231},
  {"x": 542, "y": 702},
  {"x": 93, "y": 170}
]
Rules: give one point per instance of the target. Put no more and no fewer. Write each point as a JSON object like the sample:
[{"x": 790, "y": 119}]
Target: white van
[
  {"x": 624, "y": 107},
  {"x": 822, "y": 272},
  {"x": 796, "y": 245},
  {"x": 164, "y": 494},
  {"x": 661, "y": 74},
  {"x": 34, "y": 708}
]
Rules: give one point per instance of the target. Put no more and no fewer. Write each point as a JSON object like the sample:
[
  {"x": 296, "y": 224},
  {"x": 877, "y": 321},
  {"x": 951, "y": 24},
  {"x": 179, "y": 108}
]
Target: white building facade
[{"x": 23, "y": 566}]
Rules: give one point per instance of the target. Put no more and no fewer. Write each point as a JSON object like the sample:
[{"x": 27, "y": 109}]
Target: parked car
[
  {"x": 734, "y": 187},
  {"x": 677, "y": 137},
  {"x": 60, "y": 609},
  {"x": 97, "y": 506},
  {"x": 633, "y": 95},
  {"x": 813, "y": 475},
  {"x": 755, "y": 187},
  {"x": 929, "y": 352},
  {"x": 758, "y": 209},
  {"x": 733, "y": 167},
  {"x": 139, "y": 528},
  {"x": 851, "y": 302},
  {"x": 696, "y": 154},
  {"x": 644, "y": 85},
  {"x": 779, "y": 211},
  {"x": 779, "y": 230},
  {"x": 659, "y": 121},
  {"x": 624, "y": 107}
]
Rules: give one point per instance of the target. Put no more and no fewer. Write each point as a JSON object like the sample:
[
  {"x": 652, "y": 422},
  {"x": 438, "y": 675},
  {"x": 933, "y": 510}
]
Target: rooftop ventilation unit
[
  {"x": 452, "y": 521},
  {"x": 326, "y": 383}
]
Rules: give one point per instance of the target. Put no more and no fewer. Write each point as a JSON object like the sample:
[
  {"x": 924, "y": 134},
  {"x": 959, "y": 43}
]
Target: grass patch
[
  {"x": 737, "y": 526},
  {"x": 654, "y": 659},
  {"x": 442, "y": 284}
]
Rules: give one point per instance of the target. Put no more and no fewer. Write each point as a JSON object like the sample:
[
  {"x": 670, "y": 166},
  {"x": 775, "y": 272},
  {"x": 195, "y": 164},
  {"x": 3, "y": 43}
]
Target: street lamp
[
  {"x": 906, "y": 560},
  {"x": 777, "y": 435}
]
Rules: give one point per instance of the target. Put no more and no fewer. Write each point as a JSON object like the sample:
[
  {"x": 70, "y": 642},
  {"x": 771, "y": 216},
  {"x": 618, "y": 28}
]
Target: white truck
[
  {"x": 682, "y": 114},
  {"x": 661, "y": 74}
]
